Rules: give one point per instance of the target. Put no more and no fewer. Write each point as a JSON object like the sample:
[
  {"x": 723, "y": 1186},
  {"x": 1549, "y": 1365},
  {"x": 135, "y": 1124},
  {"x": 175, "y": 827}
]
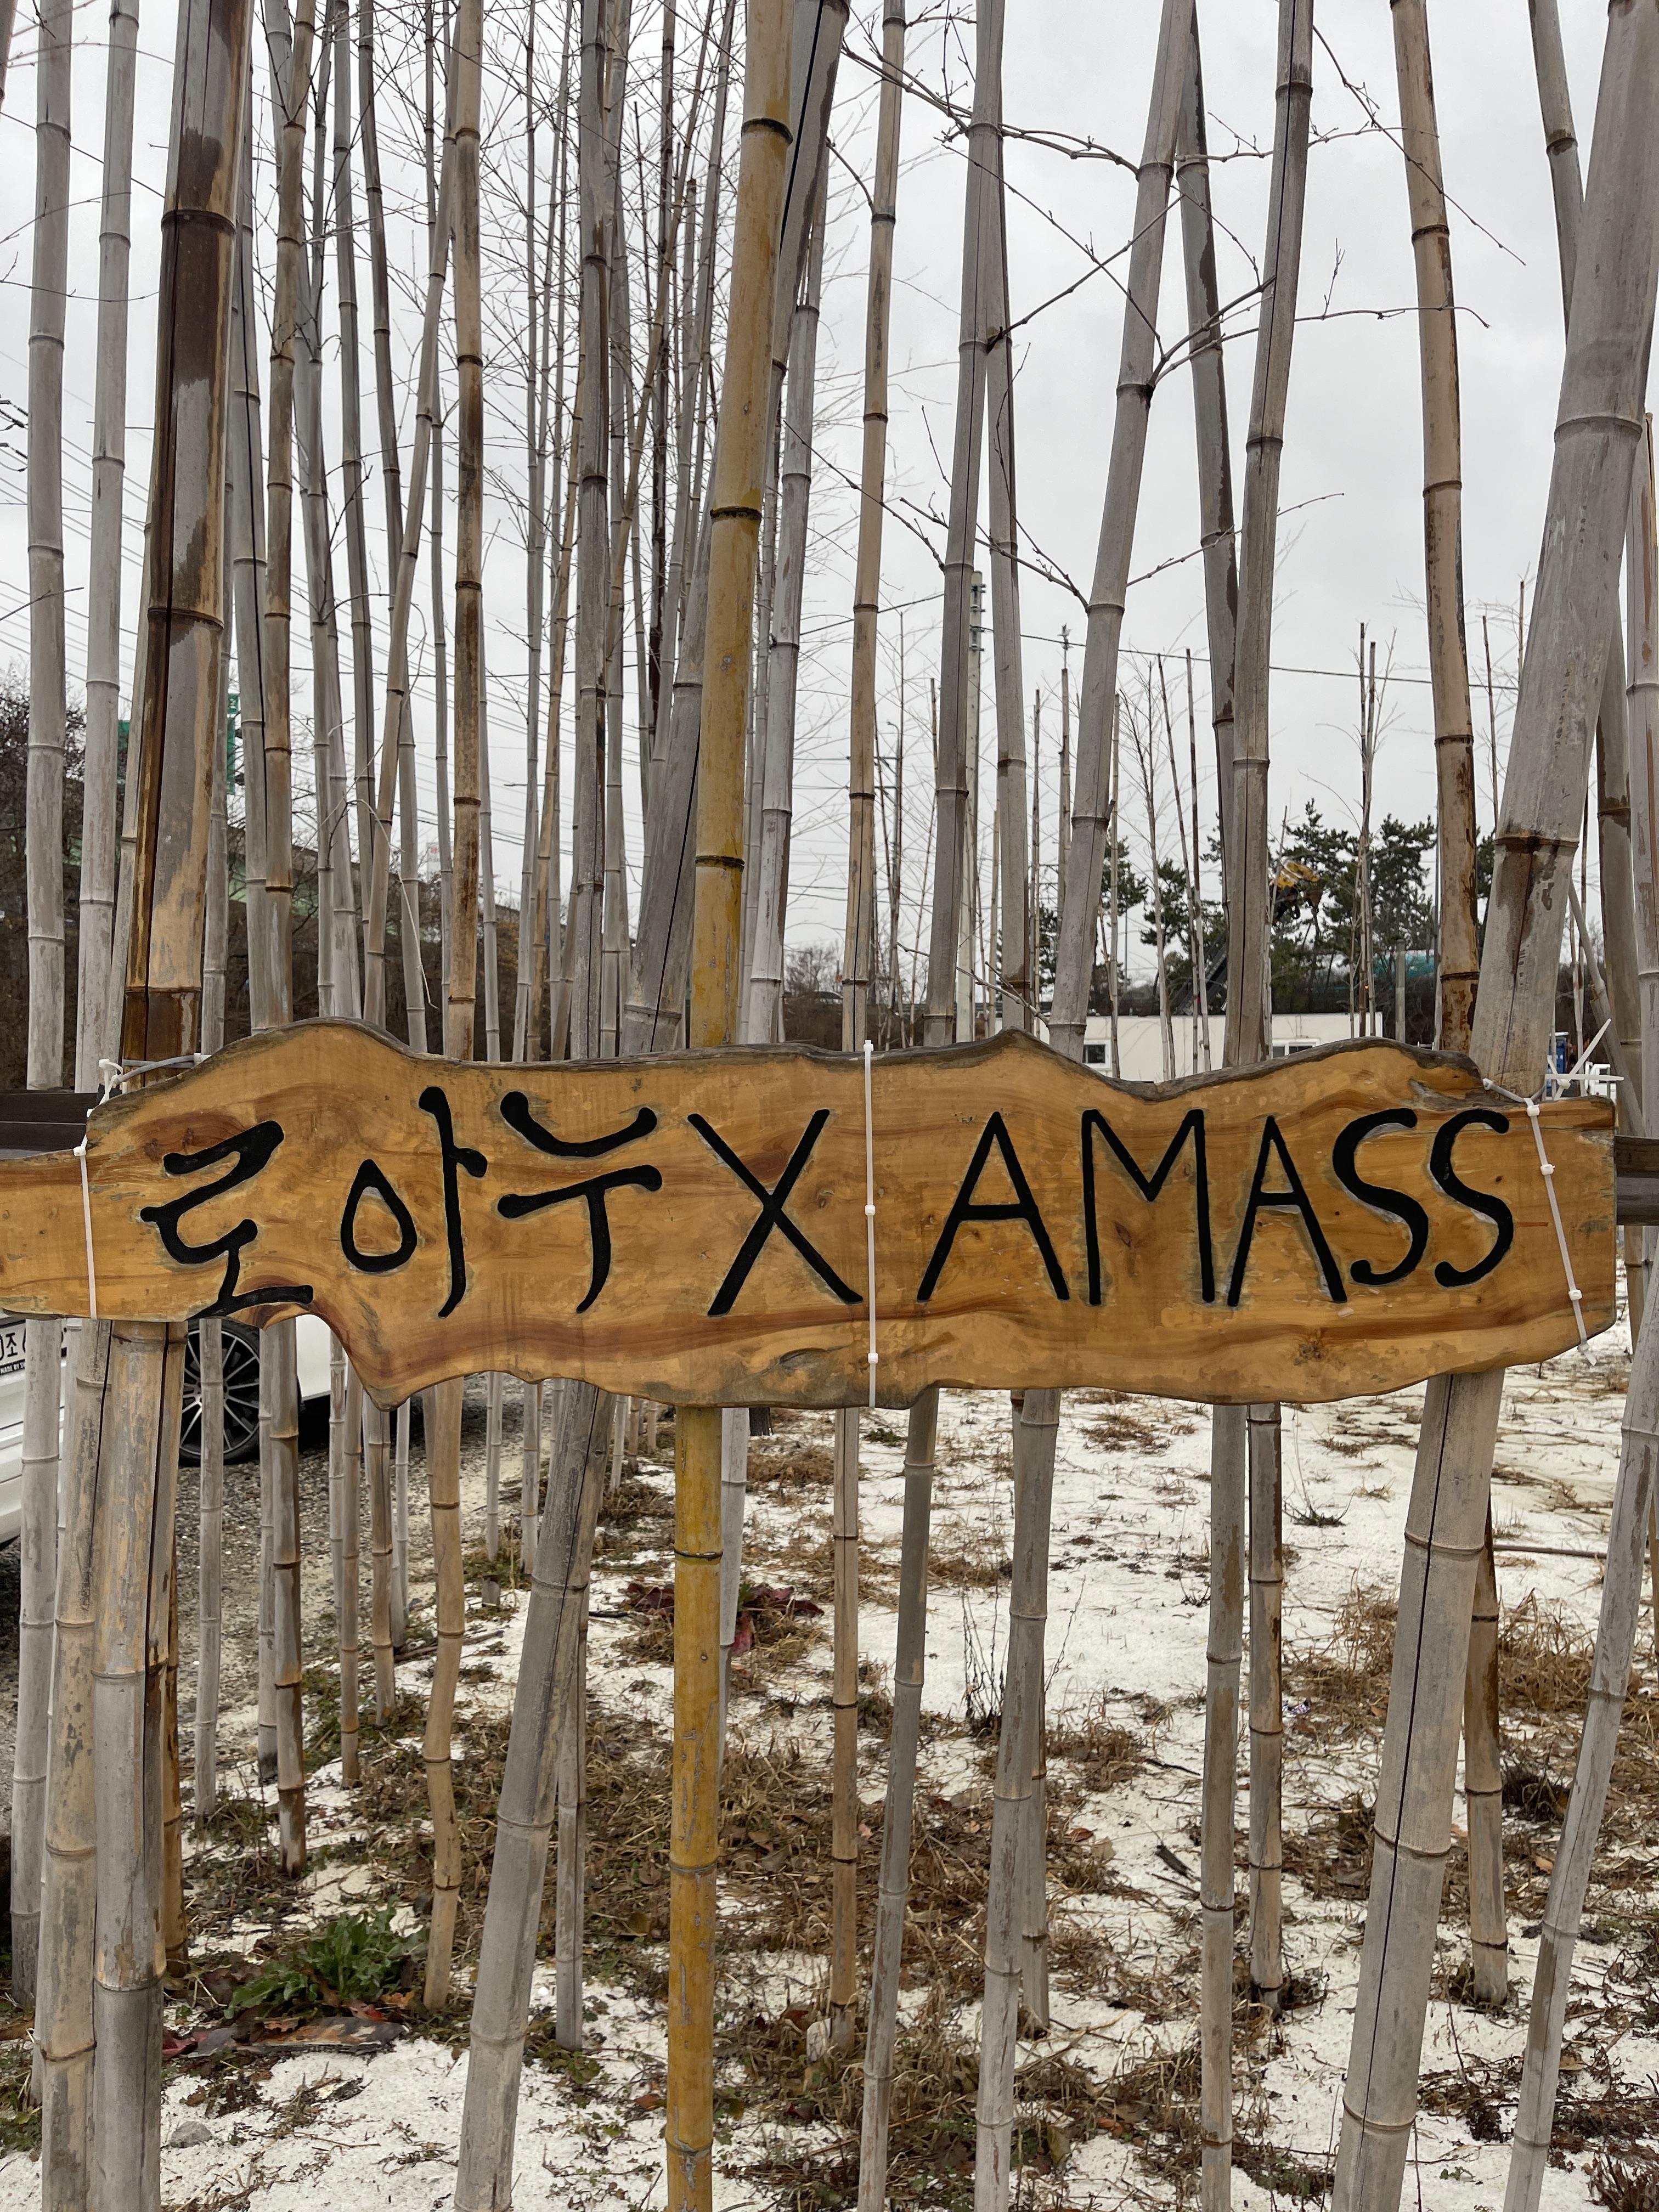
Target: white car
[{"x": 241, "y": 1355}]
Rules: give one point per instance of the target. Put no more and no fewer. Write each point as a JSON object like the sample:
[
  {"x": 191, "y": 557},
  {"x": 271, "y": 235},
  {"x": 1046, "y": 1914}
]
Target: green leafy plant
[{"x": 351, "y": 1959}]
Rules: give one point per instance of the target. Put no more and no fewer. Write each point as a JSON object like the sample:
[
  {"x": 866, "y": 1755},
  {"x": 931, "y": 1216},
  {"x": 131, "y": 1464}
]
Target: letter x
[{"x": 772, "y": 1215}]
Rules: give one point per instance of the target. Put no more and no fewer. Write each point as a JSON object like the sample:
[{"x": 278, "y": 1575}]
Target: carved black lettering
[
  {"x": 595, "y": 1190},
  {"x": 454, "y": 1157},
  {"x": 371, "y": 1179},
  {"x": 772, "y": 1215},
  {"x": 1398, "y": 1205},
  {"x": 1294, "y": 1199},
  {"x": 251, "y": 1149},
  {"x": 1150, "y": 1187},
  {"x": 1478, "y": 1201},
  {"x": 966, "y": 1207}
]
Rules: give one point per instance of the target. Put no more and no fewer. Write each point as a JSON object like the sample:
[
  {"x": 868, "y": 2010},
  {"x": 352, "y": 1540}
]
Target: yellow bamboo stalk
[{"x": 717, "y": 931}]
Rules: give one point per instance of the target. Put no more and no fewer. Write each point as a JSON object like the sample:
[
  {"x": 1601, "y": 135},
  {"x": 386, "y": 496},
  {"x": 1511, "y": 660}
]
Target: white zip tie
[
  {"x": 1546, "y": 1170},
  {"x": 874, "y": 1358}
]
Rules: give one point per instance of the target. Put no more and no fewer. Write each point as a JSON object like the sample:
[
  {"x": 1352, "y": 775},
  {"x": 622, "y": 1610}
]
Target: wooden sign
[{"x": 693, "y": 1228}]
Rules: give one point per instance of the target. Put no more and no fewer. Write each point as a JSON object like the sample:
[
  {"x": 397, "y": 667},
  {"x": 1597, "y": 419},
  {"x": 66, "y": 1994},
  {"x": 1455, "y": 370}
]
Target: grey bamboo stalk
[
  {"x": 1012, "y": 924},
  {"x": 1216, "y": 533},
  {"x": 409, "y": 920},
  {"x": 592, "y": 545},
  {"x": 1266, "y": 1557},
  {"x": 571, "y": 1862},
  {"x": 1600, "y": 426},
  {"x": 63, "y": 2011},
  {"x": 535, "y": 432},
  {"x": 777, "y": 766},
  {"x": 1229, "y": 1452},
  {"x": 44, "y": 843},
  {"x": 210, "y": 1341},
  {"x": 444, "y": 1436},
  {"x": 178, "y": 730},
  {"x": 1615, "y": 1644},
  {"x": 1091, "y": 798},
  {"x": 1458, "y": 941},
  {"x": 858, "y": 960},
  {"x": 1613, "y": 791},
  {"x": 97, "y": 909},
  {"x": 279, "y": 1429},
  {"x": 542, "y": 1697},
  {"x": 857, "y": 954},
  {"x": 565, "y": 1535},
  {"x": 1632, "y": 1519},
  {"x": 427, "y": 450},
  {"x": 951, "y": 779},
  {"x": 351, "y": 448},
  {"x": 377, "y": 1454},
  {"x": 1249, "y": 938},
  {"x": 1442, "y": 520}
]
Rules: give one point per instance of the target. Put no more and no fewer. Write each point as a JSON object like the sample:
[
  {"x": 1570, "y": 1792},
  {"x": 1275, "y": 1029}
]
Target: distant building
[{"x": 1141, "y": 1041}]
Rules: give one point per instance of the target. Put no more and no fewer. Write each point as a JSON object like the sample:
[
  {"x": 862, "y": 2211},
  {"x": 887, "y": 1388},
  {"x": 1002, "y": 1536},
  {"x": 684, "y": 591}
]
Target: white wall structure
[{"x": 1140, "y": 1044}]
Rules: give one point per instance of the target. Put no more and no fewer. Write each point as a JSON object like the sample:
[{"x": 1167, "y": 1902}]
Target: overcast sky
[{"x": 1350, "y": 535}]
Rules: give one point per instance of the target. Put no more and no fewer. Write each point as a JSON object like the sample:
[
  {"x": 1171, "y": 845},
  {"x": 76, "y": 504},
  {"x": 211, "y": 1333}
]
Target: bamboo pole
[
  {"x": 1456, "y": 921},
  {"x": 738, "y": 472},
  {"x": 1615, "y": 1643},
  {"x": 1217, "y": 537},
  {"x": 1612, "y": 781},
  {"x": 525, "y": 1814},
  {"x": 1090, "y": 799},
  {"x": 427, "y": 451},
  {"x": 777, "y": 734},
  {"x": 63, "y": 2011},
  {"x": 953, "y": 895},
  {"x": 1599, "y": 426},
  {"x": 99, "y": 782},
  {"x": 376, "y": 1458},
  {"x": 857, "y": 957},
  {"x": 528, "y": 1801},
  {"x": 291, "y": 55},
  {"x": 444, "y": 1402},
  {"x": 44, "y": 862},
  {"x": 138, "y": 1416},
  {"x": 1442, "y": 522},
  {"x": 1013, "y": 923},
  {"x": 1266, "y": 1593},
  {"x": 209, "y": 1340},
  {"x": 1632, "y": 1505}
]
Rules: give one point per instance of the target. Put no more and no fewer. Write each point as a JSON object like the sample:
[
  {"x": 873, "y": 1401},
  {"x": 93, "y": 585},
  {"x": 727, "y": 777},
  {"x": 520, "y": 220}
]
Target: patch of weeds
[
  {"x": 1332, "y": 1856},
  {"x": 1532, "y": 1795},
  {"x": 790, "y": 1462},
  {"x": 1628, "y": 2182},
  {"x": 20, "y": 2119},
  {"x": 634, "y": 1498},
  {"x": 351, "y": 1959},
  {"x": 1287, "y": 2179},
  {"x": 1154, "y": 2104},
  {"x": 1122, "y": 1431},
  {"x": 581, "y": 2069}
]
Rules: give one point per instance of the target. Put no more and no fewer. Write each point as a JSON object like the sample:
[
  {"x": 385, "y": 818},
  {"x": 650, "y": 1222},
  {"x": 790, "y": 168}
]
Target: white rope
[
  {"x": 85, "y": 1223},
  {"x": 1545, "y": 1167},
  {"x": 874, "y": 1358}
]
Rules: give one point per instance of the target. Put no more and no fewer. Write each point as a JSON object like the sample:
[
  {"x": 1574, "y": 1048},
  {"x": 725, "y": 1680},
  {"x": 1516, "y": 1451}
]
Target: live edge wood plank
[{"x": 486, "y": 1197}]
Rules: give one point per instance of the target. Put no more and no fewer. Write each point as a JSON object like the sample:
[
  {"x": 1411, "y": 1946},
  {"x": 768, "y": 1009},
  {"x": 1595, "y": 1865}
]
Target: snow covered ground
[{"x": 1126, "y": 1631}]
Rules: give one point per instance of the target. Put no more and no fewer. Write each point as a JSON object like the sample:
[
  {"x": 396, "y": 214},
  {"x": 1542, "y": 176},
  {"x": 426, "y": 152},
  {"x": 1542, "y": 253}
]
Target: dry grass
[
  {"x": 962, "y": 1557},
  {"x": 1102, "y": 1753}
]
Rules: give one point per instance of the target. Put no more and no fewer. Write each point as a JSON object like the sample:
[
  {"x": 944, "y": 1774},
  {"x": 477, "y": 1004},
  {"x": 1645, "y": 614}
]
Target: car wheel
[{"x": 241, "y": 1364}]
